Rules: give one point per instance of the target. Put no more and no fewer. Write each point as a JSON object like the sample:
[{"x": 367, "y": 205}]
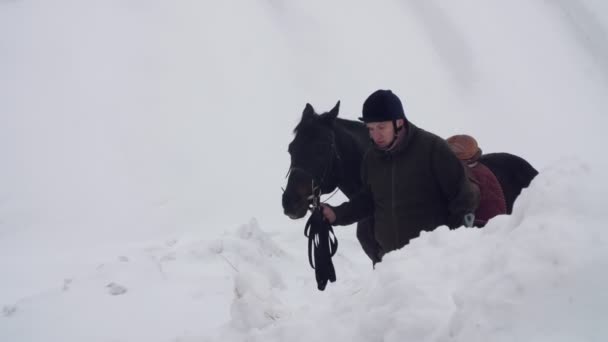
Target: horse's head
[{"x": 314, "y": 156}]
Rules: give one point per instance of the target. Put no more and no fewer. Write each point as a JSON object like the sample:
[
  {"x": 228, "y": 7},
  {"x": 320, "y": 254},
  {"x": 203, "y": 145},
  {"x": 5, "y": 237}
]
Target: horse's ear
[
  {"x": 308, "y": 113},
  {"x": 330, "y": 117},
  {"x": 333, "y": 113}
]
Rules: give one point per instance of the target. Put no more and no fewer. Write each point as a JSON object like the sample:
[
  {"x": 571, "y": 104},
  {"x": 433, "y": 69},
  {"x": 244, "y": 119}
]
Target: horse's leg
[{"x": 367, "y": 239}]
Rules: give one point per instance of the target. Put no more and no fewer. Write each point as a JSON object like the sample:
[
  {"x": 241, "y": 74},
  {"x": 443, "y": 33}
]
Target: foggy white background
[{"x": 122, "y": 117}]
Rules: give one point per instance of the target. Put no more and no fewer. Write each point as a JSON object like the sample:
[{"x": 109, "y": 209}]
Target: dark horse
[{"x": 326, "y": 153}]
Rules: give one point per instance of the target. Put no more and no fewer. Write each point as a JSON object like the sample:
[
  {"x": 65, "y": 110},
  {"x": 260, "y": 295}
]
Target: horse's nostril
[
  {"x": 289, "y": 202},
  {"x": 286, "y": 199},
  {"x": 292, "y": 204},
  {"x": 290, "y": 196}
]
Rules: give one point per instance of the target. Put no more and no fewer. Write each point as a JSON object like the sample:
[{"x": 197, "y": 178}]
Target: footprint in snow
[
  {"x": 9, "y": 310},
  {"x": 115, "y": 289}
]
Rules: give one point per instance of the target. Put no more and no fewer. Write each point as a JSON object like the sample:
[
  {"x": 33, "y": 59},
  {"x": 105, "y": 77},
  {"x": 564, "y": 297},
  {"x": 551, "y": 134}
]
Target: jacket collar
[{"x": 402, "y": 143}]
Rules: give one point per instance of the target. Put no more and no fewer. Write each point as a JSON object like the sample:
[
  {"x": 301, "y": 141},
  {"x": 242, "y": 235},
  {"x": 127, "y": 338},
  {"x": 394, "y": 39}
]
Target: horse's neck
[{"x": 352, "y": 141}]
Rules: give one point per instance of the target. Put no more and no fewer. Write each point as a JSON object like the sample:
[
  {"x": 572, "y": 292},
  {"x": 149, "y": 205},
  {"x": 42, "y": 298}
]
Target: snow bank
[{"x": 536, "y": 275}]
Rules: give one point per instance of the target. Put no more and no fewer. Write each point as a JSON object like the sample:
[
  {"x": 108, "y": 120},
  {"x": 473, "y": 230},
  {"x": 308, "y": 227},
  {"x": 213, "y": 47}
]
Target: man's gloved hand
[{"x": 469, "y": 220}]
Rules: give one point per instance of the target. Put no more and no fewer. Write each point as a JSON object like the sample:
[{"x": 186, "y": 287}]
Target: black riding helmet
[{"x": 381, "y": 106}]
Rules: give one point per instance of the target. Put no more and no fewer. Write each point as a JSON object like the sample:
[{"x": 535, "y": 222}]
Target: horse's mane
[
  {"x": 301, "y": 126},
  {"x": 356, "y": 129}
]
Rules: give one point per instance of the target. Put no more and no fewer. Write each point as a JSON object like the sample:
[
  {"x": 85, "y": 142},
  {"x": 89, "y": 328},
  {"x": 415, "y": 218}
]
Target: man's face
[{"x": 382, "y": 133}]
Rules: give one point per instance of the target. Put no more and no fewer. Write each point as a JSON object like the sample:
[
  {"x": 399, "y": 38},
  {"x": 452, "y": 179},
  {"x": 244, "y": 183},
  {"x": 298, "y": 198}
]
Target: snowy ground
[
  {"x": 138, "y": 136},
  {"x": 537, "y": 275}
]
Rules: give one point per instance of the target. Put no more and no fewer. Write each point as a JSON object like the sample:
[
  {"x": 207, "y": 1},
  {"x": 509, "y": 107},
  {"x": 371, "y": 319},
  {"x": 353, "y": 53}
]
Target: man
[
  {"x": 492, "y": 199},
  {"x": 412, "y": 181}
]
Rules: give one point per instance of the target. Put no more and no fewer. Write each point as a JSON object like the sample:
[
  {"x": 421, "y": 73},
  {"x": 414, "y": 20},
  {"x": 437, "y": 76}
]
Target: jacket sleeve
[
  {"x": 458, "y": 190},
  {"x": 359, "y": 207}
]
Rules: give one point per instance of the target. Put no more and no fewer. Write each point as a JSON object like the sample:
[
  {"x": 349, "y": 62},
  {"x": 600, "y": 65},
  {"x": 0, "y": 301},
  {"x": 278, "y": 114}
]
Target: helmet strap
[{"x": 396, "y": 129}]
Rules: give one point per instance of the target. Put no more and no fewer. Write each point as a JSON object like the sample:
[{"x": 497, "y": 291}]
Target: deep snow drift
[{"x": 536, "y": 275}]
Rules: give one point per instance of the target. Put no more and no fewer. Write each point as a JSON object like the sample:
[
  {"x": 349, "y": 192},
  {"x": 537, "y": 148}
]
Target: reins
[{"x": 322, "y": 244}]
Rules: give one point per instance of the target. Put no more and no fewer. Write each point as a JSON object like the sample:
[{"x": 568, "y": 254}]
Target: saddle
[{"x": 491, "y": 195}]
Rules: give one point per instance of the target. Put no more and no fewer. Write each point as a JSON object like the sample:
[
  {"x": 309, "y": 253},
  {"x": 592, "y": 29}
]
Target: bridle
[
  {"x": 322, "y": 242},
  {"x": 317, "y": 187}
]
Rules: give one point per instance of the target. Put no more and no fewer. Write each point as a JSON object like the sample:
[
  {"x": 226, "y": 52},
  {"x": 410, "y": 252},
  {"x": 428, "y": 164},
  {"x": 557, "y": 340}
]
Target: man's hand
[{"x": 328, "y": 213}]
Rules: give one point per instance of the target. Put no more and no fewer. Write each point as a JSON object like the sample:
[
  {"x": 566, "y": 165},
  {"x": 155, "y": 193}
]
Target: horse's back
[{"x": 514, "y": 174}]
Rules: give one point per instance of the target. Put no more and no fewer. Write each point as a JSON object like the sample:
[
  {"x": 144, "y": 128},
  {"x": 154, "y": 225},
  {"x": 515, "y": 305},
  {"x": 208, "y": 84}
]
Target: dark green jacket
[{"x": 419, "y": 185}]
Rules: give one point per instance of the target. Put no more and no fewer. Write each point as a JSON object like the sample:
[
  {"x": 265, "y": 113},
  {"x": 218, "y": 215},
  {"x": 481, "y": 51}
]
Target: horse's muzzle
[{"x": 294, "y": 207}]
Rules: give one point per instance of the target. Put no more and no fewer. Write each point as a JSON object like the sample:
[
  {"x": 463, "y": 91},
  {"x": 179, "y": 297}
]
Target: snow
[
  {"x": 535, "y": 275},
  {"x": 143, "y": 147}
]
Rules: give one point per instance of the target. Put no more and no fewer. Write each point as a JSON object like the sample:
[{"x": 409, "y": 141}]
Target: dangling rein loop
[{"x": 322, "y": 244}]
